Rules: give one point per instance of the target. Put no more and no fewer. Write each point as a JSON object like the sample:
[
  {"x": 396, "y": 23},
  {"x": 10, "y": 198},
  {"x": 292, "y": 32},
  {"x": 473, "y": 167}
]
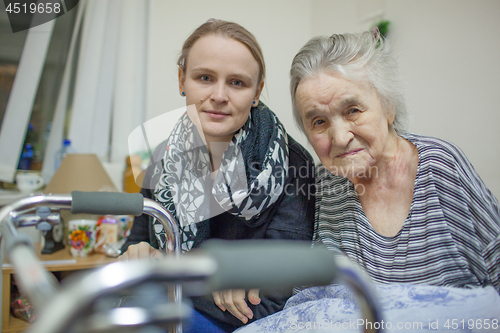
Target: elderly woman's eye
[
  {"x": 318, "y": 122},
  {"x": 353, "y": 111}
]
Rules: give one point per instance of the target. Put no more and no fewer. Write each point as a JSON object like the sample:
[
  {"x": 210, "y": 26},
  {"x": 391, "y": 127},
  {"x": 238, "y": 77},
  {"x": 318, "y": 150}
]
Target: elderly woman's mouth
[{"x": 350, "y": 152}]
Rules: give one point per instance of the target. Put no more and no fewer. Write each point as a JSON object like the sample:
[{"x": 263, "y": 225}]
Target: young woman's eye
[
  {"x": 237, "y": 83},
  {"x": 204, "y": 78}
]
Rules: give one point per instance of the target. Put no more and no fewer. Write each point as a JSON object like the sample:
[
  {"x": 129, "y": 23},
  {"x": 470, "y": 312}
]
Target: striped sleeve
[{"x": 484, "y": 209}]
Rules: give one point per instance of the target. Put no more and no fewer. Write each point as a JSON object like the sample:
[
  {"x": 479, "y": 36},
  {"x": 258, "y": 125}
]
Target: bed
[{"x": 405, "y": 308}]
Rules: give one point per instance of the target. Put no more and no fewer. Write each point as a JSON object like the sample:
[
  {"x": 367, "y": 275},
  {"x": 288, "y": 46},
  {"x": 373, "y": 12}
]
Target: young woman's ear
[
  {"x": 258, "y": 92},
  {"x": 182, "y": 79}
]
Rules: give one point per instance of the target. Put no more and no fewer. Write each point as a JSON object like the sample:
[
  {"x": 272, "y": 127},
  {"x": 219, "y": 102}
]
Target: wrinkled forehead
[{"x": 331, "y": 88}]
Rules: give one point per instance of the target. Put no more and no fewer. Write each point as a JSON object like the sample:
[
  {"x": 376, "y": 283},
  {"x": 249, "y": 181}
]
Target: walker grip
[
  {"x": 102, "y": 203},
  {"x": 273, "y": 264}
]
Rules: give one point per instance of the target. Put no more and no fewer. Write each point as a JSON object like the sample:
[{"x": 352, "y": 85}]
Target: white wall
[
  {"x": 448, "y": 52},
  {"x": 280, "y": 26}
]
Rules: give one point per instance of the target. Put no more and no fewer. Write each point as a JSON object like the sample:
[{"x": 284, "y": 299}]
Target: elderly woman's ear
[{"x": 391, "y": 114}]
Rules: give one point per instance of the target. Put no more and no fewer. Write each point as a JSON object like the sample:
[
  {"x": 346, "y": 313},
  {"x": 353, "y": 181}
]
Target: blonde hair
[{"x": 225, "y": 29}]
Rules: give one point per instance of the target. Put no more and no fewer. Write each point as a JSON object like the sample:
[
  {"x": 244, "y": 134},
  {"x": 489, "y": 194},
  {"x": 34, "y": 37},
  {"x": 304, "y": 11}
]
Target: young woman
[{"x": 229, "y": 170}]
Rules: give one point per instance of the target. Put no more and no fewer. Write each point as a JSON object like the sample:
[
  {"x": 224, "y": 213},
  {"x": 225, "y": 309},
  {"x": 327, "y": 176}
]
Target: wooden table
[{"x": 60, "y": 261}]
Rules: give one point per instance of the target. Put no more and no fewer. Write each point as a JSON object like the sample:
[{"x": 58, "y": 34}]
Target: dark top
[{"x": 290, "y": 217}]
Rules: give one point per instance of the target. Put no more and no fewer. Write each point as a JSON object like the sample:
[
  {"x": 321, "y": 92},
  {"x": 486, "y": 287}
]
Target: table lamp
[
  {"x": 77, "y": 172},
  {"x": 80, "y": 172}
]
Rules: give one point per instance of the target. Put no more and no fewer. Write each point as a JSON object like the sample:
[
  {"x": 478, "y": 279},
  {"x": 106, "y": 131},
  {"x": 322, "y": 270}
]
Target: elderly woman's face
[{"x": 345, "y": 123}]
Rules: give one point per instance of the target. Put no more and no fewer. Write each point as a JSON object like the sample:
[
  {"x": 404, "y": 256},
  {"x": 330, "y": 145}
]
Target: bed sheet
[{"x": 405, "y": 308}]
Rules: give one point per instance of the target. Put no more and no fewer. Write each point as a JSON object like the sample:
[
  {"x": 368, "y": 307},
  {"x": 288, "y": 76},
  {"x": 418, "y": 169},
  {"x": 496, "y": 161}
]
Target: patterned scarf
[{"x": 251, "y": 176}]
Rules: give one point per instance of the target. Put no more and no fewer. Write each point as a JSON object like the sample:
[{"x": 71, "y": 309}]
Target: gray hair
[{"x": 363, "y": 57}]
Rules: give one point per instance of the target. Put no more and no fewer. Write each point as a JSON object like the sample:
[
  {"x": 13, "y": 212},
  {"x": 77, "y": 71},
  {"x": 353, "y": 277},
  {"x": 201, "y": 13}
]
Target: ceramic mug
[
  {"x": 82, "y": 237},
  {"x": 28, "y": 182}
]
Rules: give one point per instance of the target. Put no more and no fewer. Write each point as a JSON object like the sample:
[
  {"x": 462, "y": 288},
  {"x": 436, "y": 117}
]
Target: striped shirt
[{"x": 451, "y": 236}]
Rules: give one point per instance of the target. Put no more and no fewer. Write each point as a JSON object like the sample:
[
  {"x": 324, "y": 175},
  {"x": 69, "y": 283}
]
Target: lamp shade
[{"x": 80, "y": 172}]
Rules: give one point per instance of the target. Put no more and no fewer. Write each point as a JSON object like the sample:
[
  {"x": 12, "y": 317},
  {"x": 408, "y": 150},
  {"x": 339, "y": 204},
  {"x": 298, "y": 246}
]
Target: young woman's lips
[
  {"x": 350, "y": 152},
  {"x": 216, "y": 114}
]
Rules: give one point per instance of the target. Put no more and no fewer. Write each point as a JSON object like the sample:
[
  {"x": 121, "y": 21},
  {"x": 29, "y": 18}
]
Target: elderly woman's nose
[
  {"x": 340, "y": 133},
  {"x": 219, "y": 93}
]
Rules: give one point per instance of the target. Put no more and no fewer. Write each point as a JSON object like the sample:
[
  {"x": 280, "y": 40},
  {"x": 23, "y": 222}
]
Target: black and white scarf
[{"x": 251, "y": 176}]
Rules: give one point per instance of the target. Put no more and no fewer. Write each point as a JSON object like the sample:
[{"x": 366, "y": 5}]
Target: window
[{"x": 50, "y": 80}]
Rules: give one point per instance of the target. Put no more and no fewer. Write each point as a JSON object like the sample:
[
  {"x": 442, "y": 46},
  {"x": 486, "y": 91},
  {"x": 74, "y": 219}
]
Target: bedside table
[{"x": 60, "y": 261}]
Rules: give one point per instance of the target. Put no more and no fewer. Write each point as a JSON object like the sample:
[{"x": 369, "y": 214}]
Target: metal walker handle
[
  {"x": 33, "y": 279},
  {"x": 216, "y": 266}
]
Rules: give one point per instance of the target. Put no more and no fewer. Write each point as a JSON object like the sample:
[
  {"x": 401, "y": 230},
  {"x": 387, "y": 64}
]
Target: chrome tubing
[
  {"x": 63, "y": 201},
  {"x": 61, "y": 312},
  {"x": 60, "y": 309},
  {"x": 16, "y": 209},
  {"x": 173, "y": 246},
  {"x": 33, "y": 279},
  {"x": 153, "y": 208},
  {"x": 208, "y": 270},
  {"x": 359, "y": 283}
]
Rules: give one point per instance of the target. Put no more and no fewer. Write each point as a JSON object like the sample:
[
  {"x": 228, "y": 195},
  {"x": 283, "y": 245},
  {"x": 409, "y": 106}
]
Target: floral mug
[{"x": 82, "y": 237}]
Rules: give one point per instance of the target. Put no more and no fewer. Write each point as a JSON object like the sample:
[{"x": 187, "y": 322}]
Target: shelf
[
  {"x": 60, "y": 261},
  {"x": 15, "y": 325},
  {"x": 63, "y": 261}
]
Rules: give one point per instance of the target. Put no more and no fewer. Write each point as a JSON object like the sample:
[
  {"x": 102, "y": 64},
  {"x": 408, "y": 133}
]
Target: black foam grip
[
  {"x": 107, "y": 203},
  {"x": 269, "y": 264}
]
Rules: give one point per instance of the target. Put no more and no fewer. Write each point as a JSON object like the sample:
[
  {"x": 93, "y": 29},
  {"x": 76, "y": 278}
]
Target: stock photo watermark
[
  {"x": 362, "y": 324},
  {"x": 189, "y": 171},
  {"x": 26, "y": 14}
]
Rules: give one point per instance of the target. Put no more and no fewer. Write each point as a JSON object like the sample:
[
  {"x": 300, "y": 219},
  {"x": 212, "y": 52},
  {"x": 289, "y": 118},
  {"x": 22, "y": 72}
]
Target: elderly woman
[
  {"x": 406, "y": 207},
  {"x": 409, "y": 209}
]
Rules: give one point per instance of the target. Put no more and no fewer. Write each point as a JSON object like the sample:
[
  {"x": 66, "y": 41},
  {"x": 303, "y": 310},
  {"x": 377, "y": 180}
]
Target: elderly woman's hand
[
  {"x": 234, "y": 301},
  {"x": 141, "y": 250}
]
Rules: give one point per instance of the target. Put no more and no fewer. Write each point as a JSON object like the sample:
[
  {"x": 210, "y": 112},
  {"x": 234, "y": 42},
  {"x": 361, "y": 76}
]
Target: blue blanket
[{"x": 405, "y": 308}]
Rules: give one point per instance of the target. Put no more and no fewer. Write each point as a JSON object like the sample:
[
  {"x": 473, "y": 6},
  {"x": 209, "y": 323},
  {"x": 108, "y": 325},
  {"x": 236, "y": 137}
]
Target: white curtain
[
  {"x": 57, "y": 131},
  {"x": 130, "y": 94},
  {"x": 109, "y": 89}
]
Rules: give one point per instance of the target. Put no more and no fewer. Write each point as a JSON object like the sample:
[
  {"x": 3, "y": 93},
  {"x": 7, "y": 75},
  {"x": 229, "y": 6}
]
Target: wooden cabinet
[{"x": 61, "y": 261}]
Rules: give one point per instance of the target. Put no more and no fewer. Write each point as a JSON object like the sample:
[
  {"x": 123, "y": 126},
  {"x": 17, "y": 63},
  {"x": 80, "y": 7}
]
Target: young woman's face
[{"x": 222, "y": 81}]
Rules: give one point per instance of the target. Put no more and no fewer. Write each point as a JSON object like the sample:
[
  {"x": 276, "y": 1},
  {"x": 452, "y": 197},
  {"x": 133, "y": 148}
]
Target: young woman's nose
[{"x": 219, "y": 93}]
